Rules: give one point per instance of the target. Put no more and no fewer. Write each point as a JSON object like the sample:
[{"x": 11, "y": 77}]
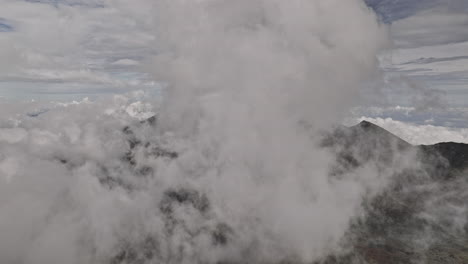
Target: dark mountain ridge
[
  {"x": 372, "y": 141},
  {"x": 417, "y": 205}
]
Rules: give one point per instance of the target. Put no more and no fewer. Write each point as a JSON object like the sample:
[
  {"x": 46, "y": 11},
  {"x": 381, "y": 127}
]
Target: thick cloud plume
[
  {"x": 229, "y": 170},
  {"x": 250, "y": 82}
]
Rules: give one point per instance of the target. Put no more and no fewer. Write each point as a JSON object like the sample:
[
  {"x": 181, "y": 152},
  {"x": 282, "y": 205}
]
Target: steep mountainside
[{"x": 421, "y": 216}]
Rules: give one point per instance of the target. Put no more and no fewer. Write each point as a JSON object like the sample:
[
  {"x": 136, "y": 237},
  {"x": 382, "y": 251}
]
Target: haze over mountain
[{"x": 420, "y": 217}]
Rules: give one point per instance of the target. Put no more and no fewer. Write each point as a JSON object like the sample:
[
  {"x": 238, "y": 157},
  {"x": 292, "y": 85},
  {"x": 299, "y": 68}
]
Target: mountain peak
[
  {"x": 368, "y": 125},
  {"x": 366, "y": 129}
]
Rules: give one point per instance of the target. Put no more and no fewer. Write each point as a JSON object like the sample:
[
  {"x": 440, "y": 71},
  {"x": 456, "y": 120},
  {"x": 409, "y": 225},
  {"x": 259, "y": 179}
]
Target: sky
[
  {"x": 71, "y": 49},
  {"x": 427, "y": 68}
]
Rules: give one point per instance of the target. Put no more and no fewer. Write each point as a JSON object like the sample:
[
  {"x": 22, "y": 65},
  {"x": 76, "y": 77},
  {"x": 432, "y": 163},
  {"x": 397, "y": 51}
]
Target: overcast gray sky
[{"x": 67, "y": 49}]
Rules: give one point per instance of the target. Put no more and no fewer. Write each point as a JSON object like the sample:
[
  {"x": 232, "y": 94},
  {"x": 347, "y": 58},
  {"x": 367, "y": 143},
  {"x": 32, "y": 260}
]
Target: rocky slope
[{"x": 421, "y": 216}]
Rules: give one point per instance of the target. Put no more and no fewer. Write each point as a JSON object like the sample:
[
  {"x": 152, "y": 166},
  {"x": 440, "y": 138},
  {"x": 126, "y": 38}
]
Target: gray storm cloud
[{"x": 229, "y": 171}]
